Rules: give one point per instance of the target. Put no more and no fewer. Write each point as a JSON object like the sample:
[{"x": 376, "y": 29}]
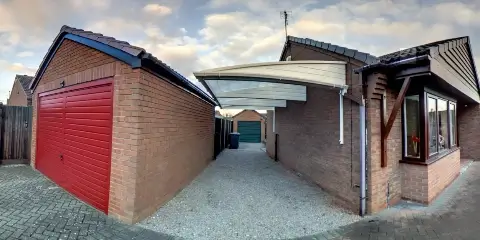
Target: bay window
[
  {"x": 429, "y": 126},
  {"x": 412, "y": 126}
]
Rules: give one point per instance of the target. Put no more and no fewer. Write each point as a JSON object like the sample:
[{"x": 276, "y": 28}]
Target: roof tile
[
  {"x": 340, "y": 50},
  {"x": 349, "y": 52},
  {"x": 361, "y": 56},
  {"x": 332, "y": 47},
  {"x": 132, "y": 50},
  {"x": 25, "y": 82},
  {"x": 125, "y": 47},
  {"x": 364, "y": 57},
  {"x": 415, "y": 51}
]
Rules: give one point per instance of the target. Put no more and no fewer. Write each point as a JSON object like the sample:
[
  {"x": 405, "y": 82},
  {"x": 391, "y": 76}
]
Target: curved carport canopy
[{"x": 266, "y": 86}]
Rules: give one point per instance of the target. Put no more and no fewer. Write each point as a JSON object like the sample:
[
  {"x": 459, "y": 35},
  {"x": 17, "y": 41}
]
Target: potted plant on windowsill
[{"x": 415, "y": 142}]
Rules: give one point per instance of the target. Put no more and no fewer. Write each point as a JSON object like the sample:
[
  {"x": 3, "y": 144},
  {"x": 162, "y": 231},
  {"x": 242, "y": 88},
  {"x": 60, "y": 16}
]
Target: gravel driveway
[{"x": 246, "y": 195}]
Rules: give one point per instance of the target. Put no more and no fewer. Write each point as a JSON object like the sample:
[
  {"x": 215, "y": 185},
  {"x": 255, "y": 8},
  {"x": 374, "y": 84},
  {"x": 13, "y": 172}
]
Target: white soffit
[
  {"x": 270, "y": 84},
  {"x": 248, "y": 107}
]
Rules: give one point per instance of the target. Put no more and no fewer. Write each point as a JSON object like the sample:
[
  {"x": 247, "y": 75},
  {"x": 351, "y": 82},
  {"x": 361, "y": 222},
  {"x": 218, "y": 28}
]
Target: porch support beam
[
  {"x": 416, "y": 71},
  {"x": 386, "y": 128}
]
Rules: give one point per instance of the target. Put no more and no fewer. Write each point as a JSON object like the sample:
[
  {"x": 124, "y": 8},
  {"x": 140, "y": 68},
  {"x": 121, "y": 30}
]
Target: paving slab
[
  {"x": 33, "y": 207},
  {"x": 455, "y": 214}
]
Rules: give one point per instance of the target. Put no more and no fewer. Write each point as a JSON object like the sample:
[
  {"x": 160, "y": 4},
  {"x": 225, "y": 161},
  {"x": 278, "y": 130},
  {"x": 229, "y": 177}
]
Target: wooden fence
[
  {"x": 223, "y": 128},
  {"x": 16, "y": 134}
]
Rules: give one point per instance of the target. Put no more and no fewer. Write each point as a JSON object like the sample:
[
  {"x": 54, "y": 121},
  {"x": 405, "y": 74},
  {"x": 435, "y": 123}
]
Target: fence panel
[
  {"x": 16, "y": 124},
  {"x": 223, "y": 128}
]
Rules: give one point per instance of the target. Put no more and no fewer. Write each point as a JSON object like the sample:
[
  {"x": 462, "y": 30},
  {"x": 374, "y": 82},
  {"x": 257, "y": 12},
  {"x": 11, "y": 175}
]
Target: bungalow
[{"x": 369, "y": 130}]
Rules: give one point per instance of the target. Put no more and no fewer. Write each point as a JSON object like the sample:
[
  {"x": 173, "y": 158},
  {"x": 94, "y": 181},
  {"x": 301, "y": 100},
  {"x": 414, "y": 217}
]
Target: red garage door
[{"x": 74, "y": 139}]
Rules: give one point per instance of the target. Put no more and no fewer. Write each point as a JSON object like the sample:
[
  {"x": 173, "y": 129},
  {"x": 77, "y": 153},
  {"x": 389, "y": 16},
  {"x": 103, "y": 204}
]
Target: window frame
[
  {"x": 427, "y": 125},
  {"x": 404, "y": 127},
  {"x": 452, "y": 128},
  {"x": 425, "y": 156}
]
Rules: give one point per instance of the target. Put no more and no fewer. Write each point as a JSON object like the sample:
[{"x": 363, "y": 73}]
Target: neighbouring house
[
  {"x": 117, "y": 127},
  {"x": 369, "y": 130},
  {"x": 218, "y": 114},
  {"x": 20, "y": 94},
  {"x": 251, "y": 126}
]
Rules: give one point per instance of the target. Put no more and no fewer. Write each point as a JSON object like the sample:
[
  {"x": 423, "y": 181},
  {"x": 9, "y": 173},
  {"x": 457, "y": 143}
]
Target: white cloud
[
  {"x": 17, "y": 68},
  {"x": 119, "y": 28},
  {"x": 254, "y": 32},
  {"x": 98, "y": 4},
  {"x": 25, "y": 54},
  {"x": 157, "y": 9}
]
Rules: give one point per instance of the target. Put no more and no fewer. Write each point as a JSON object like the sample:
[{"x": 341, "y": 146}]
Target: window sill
[{"x": 431, "y": 159}]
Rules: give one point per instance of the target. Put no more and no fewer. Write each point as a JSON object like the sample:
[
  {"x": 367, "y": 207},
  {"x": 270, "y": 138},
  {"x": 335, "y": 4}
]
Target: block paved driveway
[
  {"x": 455, "y": 214},
  {"x": 32, "y": 207}
]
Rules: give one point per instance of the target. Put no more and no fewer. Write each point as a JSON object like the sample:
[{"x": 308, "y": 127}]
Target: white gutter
[
  {"x": 273, "y": 124},
  {"x": 363, "y": 146},
  {"x": 342, "y": 92}
]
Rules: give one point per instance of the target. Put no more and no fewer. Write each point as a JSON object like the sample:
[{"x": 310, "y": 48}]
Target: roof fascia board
[
  {"x": 472, "y": 61},
  {"x": 133, "y": 61},
  {"x": 205, "y": 84},
  {"x": 182, "y": 81}
]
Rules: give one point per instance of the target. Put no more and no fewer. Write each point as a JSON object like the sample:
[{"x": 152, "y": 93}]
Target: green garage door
[{"x": 250, "y": 131}]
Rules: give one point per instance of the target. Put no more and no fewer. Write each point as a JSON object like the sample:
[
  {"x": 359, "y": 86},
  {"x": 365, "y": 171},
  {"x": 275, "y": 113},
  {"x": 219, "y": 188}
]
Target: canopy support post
[{"x": 273, "y": 120}]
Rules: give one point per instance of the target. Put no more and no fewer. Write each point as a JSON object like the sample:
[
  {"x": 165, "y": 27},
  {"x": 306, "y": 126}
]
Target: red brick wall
[
  {"x": 67, "y": 65},
  {"x": 175, "y": 142},
  {"x": 388, "y": 179},
  {"x": 441, "y": 173},
  {"x": 469, "y": 130},
  {"x": 125, "y": 142},
  {"x": 17, "y": 95},
  {"x": 309, "y": 143},
  {"x": 309, "y": 132},
  {"x": 153, "y": 123},
  {"x": 249, "y": 115},
  {"x": 301, "y": 52},
  {"x": 423, "y": 183}
]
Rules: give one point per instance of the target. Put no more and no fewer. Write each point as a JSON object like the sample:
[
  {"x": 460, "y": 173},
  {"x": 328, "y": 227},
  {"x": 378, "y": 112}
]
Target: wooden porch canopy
[{"x": 449, "y": 62}]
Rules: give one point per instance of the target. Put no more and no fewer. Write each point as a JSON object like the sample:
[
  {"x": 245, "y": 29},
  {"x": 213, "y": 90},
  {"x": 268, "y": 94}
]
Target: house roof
[
  {"x": 238, "y": 114},
  {"x": 25, "y": 81},
  {"x": 414, "y": 51},
  {"x": 352, "y": 53},
  {"x": 135, "y": 56}
]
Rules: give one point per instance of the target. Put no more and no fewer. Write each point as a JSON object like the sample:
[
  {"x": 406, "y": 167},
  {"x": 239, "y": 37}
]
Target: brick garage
[
  {"x": 162, "y": 125},
  {"x": 250, "y": 116},
  {"x": 307, "y": 131}
]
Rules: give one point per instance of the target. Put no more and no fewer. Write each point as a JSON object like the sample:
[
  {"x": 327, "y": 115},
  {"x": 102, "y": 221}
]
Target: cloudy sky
[{"x": 193, "y": 35}]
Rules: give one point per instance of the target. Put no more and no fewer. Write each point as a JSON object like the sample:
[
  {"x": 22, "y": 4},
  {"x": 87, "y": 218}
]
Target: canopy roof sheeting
[{"x": 265, "y": 86}]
